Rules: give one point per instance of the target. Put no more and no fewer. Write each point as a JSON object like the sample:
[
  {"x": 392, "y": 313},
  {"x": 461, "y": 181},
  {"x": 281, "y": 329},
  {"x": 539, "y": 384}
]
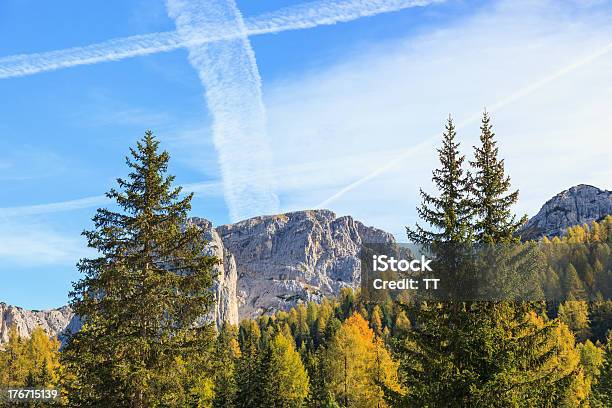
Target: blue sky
[{"x": 342, "y": 102}]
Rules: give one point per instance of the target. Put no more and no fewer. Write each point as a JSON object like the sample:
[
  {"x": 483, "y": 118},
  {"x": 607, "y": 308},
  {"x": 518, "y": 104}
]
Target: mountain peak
[{"x": 577, "y": 205}]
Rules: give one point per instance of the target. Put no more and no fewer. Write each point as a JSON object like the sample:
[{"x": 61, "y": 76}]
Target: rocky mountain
[
  {"x": 271, "y": 263},
  {"x": 293, "y": 257},
  {"x": 53, "y": 321},
  {"x": 577, "y": 205},
  {"x": 224, "y": 288},
  {"x": 266, "y": 264}
]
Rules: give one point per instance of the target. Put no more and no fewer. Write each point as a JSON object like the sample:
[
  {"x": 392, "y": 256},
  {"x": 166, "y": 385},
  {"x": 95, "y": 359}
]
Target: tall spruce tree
[
  {"x": 469, "y": 353},
  {"x": 227, "y": 353},
  {"x": 285, "y": 382},
  {"x": 142, "y": 298},
  {"x": 449, "y": 213},
  {"x": 249, "y": 377},
  {"x": 492, "y": 200},
  {"x": 449, "y": 216}
]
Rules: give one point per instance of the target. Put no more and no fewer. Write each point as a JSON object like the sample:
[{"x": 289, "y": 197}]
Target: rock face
[
  {"x": 578, "y": 205},
  {"x": 266, "y": 264},
  {"x": 53, "y": 321},
  {"x": 298, "y": 256},
  {"x": 224, "y": 288}
]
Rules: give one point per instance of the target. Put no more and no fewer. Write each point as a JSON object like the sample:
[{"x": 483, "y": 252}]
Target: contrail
[
  {"x": 502, "y": 103},
  {"x": 311, "y": 14},
  {"x": 216, "y": 37},
  {"x": 326, "y": 12},
  {"x": 229, "y": 73},
  {"x": 70, "y": 205},
  {"x": 87, "y": 202}
]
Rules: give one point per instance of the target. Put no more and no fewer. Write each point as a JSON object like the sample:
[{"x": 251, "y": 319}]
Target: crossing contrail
[
  {"x": 216, "y": 37},
  {"x": 500, "y": 104},
  {"x": 229, "y": 73},
  {"x": 309, "y": 15}
]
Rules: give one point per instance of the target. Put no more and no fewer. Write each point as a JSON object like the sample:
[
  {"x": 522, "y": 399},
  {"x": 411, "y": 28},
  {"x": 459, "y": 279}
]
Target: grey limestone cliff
[
  {"x": 53, "y": 321},
  {"x": 577, "y": 205},
  {"x": 224, "y": 287},
  {"x": 298, "y": 256}
]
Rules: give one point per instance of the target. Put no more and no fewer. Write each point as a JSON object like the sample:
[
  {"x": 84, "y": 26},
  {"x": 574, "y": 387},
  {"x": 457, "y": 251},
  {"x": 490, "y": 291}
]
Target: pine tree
[
  {"x": 591, "y": 362},
  {"x": 575, "y": 314},
  {"x": 601, "y": 319},
  {"x": 248, "y": 373},
  {"x": 376, "y": 321},
  {"x": 227, "y": 353},
  {"x": 491, "y": 200},
  {"x": 14, "y": 366},
  {"x": 552, "y": 286},
  {"x": 358, "y": 366},
  {"x": 142, "y": 299},
  {"x": 506, "y": 355},
  {"x": 31, "y": 362},
  {"x": 402, "y": 325},
  {"x": 449, "y": 213},
  {"x": 286, "y": 382},
  {"x": 467, "y": 353},
  {"x": 603, "y": 388},
  {"x": 318, "y": 389},
  {"x": 573, "y": 286}
]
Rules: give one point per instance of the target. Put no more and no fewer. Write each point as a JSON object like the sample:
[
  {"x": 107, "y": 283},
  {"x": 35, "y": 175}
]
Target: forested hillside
[{"x": 345, "y": 352}]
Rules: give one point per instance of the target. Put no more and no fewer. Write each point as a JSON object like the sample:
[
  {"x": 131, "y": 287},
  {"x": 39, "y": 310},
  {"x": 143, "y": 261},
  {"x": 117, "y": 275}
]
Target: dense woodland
[{"x": 143, "y": 343}]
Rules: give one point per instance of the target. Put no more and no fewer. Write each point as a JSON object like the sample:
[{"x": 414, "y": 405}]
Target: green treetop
[
  {"x": 491, "y": 200},
  {"x": 448, "y": 213}
]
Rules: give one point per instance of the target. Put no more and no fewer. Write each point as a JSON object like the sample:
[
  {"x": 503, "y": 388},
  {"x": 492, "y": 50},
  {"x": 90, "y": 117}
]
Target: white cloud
[
  {"x": 216, "y": 36},
  {"x": 29, "y": 162},
  {"x": 48, "y": 208},
  {"x": 393, "y": 96},
  {"x": 27, "y": 242}
]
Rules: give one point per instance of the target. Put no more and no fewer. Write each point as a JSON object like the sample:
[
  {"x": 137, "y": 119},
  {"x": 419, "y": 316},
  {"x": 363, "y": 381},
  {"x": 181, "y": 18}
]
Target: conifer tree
[
  {"x": 376, "y": 321},
  {"x": 402, "y": 324},
  {"x": 591, "y": 362},
  {"x": 492, "y": 200},
  {"x": 506, "y": 355},
  {"x": 603, "y": 388},
  {"x": 575, "y": 314},
  {"x": 227, "y": 353},
  {"x": 601, "y": 319},
  {"x": 358, "y": 366},
  {"x": 248, "y": 374},
  {"x": 31, "y": 362},
  {"x": 141, "y": 300},
  {"x": 573, "y": 286},
  {"x": 449, "y": 213},
  {"x": 286, "y": 382},
  {"x": 466, "y": 353}
]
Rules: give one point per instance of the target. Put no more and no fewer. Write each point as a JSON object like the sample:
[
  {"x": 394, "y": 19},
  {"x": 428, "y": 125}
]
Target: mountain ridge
[
  {"x": 273, "y": 262},
  {"x": 267, "y": 263}
]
